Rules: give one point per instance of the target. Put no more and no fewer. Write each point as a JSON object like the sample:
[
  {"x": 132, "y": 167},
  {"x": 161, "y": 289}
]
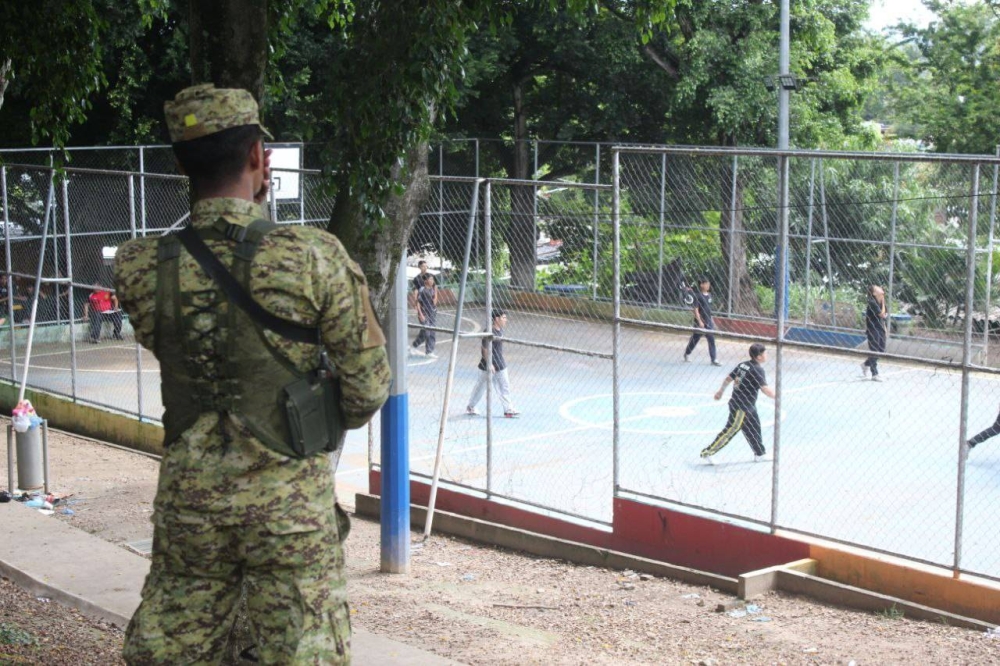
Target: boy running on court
[
  {"x": 703, "y": 319},
  {"x": 749, "y": 378}
]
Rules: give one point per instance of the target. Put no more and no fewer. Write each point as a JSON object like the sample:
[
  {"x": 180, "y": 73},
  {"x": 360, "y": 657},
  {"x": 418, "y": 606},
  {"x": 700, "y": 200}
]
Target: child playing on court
[
  {"x": 427, "y": 299},
  {"x": 749, "y": 378},
  {"x": 497, "y": 369}
]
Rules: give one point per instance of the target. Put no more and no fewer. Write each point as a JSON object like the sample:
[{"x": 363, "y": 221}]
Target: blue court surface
[
  {"x": 869, "y": 463},
  {"x": 872, "y": 464}
]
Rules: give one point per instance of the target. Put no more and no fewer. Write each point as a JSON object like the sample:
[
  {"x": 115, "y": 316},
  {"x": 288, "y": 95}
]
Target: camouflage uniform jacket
[{"x": 301, "y": 274}]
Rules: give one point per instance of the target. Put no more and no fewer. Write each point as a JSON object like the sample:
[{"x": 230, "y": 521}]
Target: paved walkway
[{"x": 50, "y": 558}]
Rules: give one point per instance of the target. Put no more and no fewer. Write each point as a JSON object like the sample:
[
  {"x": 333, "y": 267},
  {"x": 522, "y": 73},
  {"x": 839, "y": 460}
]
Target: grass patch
[
  {"x": 11, "y": 635},
  {"x": 891, "y": 613}
]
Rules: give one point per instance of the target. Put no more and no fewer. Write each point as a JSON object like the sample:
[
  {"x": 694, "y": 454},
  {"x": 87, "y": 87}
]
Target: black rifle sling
[{"x": 239, "y": 296}]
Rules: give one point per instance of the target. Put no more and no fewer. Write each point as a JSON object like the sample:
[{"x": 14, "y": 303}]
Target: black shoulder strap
[{"x": 238, "y": 295}]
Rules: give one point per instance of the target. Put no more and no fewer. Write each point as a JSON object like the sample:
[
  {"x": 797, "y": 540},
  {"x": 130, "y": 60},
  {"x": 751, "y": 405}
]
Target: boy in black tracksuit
[
  {"x": 986, "y": 434},
  {"x": 750, "y": 378},
  {"x": 703, "y": 319}
]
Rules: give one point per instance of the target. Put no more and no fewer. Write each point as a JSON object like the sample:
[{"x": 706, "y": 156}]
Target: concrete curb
[
  {"x": 546, "y": 546},
  {"x": 794, "y": 577}
]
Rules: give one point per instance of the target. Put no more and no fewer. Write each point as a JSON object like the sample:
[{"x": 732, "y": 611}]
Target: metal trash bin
[{"x": 32, "y": 457}]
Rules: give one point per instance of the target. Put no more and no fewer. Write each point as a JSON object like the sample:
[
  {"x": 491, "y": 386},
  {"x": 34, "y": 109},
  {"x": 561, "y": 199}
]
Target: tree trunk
[
  {"x": 378, "y": 250},
  {"x": 229, "y": 43},
  {"x": 520, "y": 232},
  {"x": 4, "y": 78},
  {"x": 734, "y": 247}
]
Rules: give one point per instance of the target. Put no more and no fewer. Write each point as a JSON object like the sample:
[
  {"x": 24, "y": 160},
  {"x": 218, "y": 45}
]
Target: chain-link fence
[
  {"x": 878, "y": 464},
  {"x": 600, "y": 283}
]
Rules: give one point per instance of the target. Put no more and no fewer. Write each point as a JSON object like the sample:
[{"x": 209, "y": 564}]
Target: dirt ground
[{"x": 482, "y": 605}]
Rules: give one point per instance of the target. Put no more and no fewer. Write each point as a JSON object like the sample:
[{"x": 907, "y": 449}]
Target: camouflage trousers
[{"x": 296, "y": 595}]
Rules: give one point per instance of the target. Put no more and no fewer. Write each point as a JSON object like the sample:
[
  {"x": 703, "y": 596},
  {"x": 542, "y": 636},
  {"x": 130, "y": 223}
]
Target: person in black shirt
[
  {"x": 418, "y": 284},
  {"x": 703, "y": 319},
  {"x": 985, "y": 435},
  {"x": 749, "y": 378},
  {"x": 497, "y": 370},
  {"x": 418, "y": 281},
  {"x": 427, "y": 299},
  {"x": 874, "y": 329}
]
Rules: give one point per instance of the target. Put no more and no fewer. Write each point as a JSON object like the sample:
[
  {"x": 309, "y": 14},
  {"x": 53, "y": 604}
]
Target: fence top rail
[
  {"x": 548, "y": 183},
  {"x": 811, "y": 154},
  {"x": 94, "y": 172},
  {"x": 431, "y": 178},
  {"x": 454, "y": 179}
]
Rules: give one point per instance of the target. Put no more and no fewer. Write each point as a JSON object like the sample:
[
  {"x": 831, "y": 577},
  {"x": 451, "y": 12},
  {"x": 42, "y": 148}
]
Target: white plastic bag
[
  {"x": 21, "y": 416},
  {"x": 21, "y": 422}
]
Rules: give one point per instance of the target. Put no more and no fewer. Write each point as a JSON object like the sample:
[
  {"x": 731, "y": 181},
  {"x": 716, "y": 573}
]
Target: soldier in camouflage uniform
[{"x": 230, "y": 510}]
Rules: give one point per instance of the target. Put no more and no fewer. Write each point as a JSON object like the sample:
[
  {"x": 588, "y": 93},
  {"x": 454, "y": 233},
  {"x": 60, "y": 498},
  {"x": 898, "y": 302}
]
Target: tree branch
[
  {"x": 671, "y": 68},
  {"x": 4, "y": 81}
]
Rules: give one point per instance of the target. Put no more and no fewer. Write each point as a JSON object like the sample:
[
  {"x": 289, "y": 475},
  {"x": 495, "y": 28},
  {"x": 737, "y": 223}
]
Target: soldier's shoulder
[
  {"x": 135, "y": 253},
  {"x": 306, "y": 235}
]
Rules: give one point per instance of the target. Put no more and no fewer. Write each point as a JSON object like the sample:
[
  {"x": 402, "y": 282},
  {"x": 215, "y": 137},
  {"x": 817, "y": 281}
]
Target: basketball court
[{"x": 868, "y": 463}]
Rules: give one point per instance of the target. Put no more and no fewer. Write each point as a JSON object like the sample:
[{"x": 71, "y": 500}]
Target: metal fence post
[
  {"x": 302, "y": 186},
  {"x": 892, "y": 243},
  {"x": 597, "y": 212},
  {"x": 989, "y": 260},
  {"x": 452, "y": 360},
  {"x": 826, "y": 241},
  {"x": 809, "y": 235},
  {"x": 663, "y": 203},
  {"x": 142, "y": 188},
  {"x": 8, "y": 277},
  {"x": 732, "y": 237},
  {"x": 55, "y": 253},
  {"x": 534, "y": 217},
  {"x": 69, "y": 274},
  {"x": 440, "y": 247},
  {"x": 138, "y": 348},
  {"x": 488, "y": 242},
  {"x": 780, "y": 298},
  {"x": 963, "y": 453},
  {"x": 616, "y": 316}
]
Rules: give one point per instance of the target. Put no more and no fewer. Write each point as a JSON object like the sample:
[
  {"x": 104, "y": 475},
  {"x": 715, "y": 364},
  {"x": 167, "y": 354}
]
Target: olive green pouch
[{"x": 314, "y": 423}]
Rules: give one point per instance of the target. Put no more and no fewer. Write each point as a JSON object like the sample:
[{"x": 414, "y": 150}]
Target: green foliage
[
  {"x": 947, "y": 90},
  {"x": 891, "y": 613},
  {"x": 54, "y": 49},
  {"x": 801, "y": 302},
  {"x": 721, "y": 52}
]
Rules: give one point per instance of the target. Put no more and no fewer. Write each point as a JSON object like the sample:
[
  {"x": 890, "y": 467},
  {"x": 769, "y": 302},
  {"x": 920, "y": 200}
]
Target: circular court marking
[{"x": 656, "y": 413}]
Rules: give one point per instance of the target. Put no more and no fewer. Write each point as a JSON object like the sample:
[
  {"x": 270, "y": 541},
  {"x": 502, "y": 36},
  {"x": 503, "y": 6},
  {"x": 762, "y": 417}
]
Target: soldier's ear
[{"x": 256, "y": 156}]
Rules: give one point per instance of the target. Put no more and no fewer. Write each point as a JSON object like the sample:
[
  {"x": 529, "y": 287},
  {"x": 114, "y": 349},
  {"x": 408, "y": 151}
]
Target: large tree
[
  {"x": 718, "y": 56},
  {"x": 561, "y": 77},
  {"x": 697, "y": 79},
  {"x": 381, "y": 73},
  {"x": 948, "y": 90}
]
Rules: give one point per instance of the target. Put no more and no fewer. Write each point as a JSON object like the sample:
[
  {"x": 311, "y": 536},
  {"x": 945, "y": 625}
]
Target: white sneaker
[
  {"x": 471, "y": 411},
  {"x": 762, "y": 458},
  {"x": 876, "y": 378},
  {"x": 864, "y": 370},
  {"x": 686, "y": 359},
  {"x": 431, "y": 355},
  {"x": 708, "y": 459},
  {"x": 415, "y": 352}
]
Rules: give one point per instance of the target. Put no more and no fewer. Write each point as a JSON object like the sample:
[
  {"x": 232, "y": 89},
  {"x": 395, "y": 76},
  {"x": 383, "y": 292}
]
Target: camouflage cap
[{"x": 204, "y": 109}]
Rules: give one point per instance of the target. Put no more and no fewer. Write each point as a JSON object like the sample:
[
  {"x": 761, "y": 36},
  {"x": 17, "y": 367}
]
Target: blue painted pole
[{"x": 395, "y": 467}]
